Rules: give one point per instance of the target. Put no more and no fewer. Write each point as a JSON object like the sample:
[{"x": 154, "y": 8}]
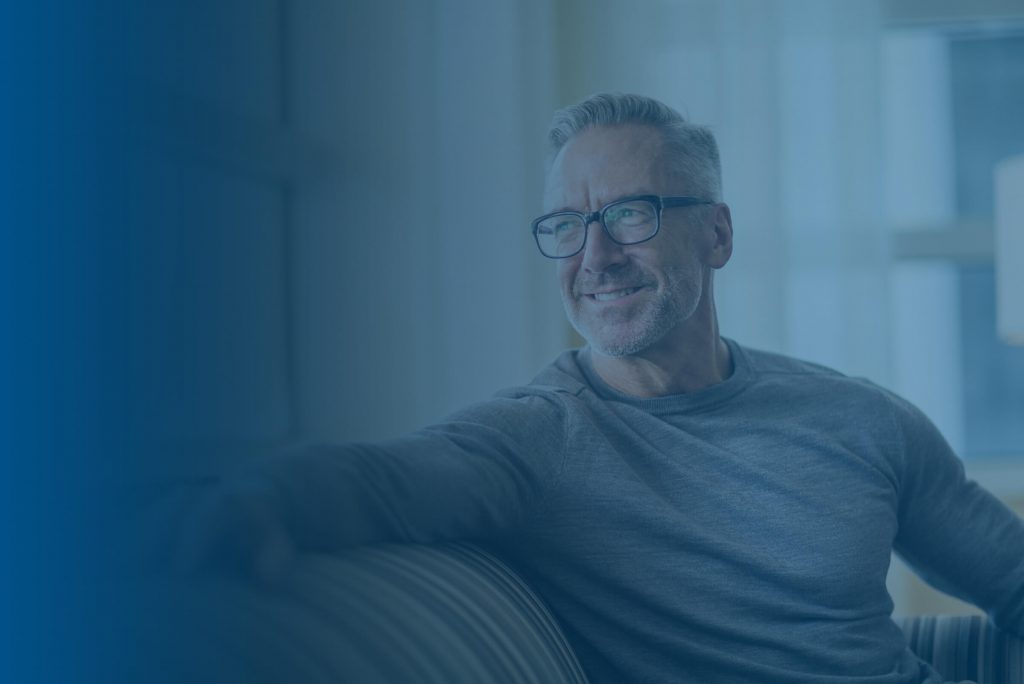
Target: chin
[
  {"x": 619, "y": 349},
  {"x": 616, "y": 344},
  {"x": 633, "y": 335}
]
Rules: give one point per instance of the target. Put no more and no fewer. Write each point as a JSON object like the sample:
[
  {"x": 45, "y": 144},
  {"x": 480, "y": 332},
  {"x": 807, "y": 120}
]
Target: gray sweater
[{"x": 741, "y": 533}]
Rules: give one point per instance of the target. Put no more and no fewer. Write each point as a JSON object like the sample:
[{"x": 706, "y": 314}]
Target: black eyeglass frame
[{"x": 659, "y": 202}]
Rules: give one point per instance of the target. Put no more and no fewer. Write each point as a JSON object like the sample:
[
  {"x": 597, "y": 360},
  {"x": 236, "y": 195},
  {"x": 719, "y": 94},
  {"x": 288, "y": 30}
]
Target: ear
[{"x": 720, "y": 249}]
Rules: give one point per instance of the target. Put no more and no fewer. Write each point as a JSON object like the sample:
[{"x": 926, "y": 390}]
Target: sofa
[{"x": 444, "y": 614}]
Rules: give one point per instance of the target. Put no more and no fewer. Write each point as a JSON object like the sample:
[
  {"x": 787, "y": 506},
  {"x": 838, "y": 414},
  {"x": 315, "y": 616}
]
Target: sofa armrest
[
  {"x": 966, "y": 647},
  {"x": 387, "y": 614}
]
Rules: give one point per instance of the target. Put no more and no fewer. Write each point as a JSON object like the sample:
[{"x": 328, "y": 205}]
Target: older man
[{"x": 691, "y": 509}]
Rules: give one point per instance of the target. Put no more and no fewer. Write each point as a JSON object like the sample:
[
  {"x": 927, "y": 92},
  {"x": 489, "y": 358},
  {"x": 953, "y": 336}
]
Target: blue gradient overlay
[{"x": 73, "y": 341}]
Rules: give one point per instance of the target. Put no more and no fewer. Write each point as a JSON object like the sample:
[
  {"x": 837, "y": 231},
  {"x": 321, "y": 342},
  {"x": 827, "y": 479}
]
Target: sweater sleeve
[
  {"x": 475, "y": 474},
  {"x": 956, "y": 535}
]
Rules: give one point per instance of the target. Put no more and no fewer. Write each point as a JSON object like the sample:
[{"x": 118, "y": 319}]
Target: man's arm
[
  {"x": 478, "y": 473},
  {"x": 958, "y": 536}
]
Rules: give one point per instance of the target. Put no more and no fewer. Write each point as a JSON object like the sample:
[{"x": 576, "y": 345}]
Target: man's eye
[
  {"x": 624, "y": 214},
  {"x": 629, "y": 215}
]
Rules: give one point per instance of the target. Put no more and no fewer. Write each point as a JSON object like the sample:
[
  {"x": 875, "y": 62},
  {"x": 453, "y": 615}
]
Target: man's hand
[{"x": 239, "y": 526}]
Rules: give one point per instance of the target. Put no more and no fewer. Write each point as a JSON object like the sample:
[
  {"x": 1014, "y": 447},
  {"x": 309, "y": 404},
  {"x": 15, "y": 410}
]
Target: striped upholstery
[
  {"x": 966, "y": 647},
  {"x": 443, "y": 614}
]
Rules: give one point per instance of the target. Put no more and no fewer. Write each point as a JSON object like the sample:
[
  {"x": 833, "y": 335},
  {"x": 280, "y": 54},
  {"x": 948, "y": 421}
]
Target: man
[{"x": 692, "y": 510}]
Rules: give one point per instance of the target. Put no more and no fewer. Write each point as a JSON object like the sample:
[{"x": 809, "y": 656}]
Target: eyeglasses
[{"x": 627, "y": 221}]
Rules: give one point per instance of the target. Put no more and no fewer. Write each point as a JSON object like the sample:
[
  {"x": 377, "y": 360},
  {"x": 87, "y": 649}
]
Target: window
[{"x": 954, "y": 100}]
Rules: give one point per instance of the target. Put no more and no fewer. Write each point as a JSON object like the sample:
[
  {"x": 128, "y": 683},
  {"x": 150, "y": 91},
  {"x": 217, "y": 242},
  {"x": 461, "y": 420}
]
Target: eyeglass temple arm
[{"x": 684, "y": 201}]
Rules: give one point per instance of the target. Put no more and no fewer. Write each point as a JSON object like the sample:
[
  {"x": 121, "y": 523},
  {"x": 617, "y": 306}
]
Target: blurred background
[
  {"x": 320, "y": 228},
  {"x": 350, "y": 187}
]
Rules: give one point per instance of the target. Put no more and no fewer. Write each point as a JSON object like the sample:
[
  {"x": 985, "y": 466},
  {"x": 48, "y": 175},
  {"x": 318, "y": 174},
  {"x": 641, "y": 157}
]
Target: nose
[{"x": 600, "y": 252}]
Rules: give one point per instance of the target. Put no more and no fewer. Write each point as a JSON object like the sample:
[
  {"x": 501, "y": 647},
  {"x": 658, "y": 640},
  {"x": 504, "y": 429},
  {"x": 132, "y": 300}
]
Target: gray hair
[{"x": 690, "y": 150}]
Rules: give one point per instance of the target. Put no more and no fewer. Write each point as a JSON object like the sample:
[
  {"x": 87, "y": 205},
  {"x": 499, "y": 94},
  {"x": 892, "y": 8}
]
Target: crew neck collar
[{"x": 702, "y": 398}]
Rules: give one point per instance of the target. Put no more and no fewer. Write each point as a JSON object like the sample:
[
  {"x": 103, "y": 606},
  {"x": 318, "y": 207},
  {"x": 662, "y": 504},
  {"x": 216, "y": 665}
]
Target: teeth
[{"x": 618, "y": 294}]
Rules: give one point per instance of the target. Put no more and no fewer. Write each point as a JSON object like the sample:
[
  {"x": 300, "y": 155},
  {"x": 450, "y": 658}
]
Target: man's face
[{"x": 624, "y": 299}]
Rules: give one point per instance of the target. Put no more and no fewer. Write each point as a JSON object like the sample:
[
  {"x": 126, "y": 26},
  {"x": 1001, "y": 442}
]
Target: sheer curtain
[{"x": 416, "y": 285}]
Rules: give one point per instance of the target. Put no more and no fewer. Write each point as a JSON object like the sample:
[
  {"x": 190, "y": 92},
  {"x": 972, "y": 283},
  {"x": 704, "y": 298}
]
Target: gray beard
[{"x": 651, "y": 323}]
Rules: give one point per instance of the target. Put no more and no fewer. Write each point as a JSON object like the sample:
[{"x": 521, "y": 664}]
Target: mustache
[{"x": 607, "y": 281}]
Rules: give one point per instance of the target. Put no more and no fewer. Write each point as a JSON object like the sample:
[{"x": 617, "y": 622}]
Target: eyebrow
[{"x": 639, "y": 193}]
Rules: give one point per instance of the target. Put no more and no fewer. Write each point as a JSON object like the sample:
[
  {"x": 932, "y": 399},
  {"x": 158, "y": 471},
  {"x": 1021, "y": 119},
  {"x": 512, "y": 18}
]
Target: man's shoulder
[
  {"x": 767, "y": 363},
  {"x": 827, "y": 396},
  {"x": 560, "y": 377},
  {"x": 551, "y": 395},
  {"x": 549, "y": 389},
  {"x": 774, "y": 368}
]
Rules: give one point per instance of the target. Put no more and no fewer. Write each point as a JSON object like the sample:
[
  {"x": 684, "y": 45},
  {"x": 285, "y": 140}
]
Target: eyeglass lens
[{"x": 626, "y": 222}]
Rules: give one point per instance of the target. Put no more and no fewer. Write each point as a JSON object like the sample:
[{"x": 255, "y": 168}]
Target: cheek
[
  {"x": 567, "y": 274},
  {"x": 651, "y": 263},
  {"x": 671, "y": 258}
]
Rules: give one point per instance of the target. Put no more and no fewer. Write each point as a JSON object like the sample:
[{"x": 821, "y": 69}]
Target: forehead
[{"x": 603, "y": 164}]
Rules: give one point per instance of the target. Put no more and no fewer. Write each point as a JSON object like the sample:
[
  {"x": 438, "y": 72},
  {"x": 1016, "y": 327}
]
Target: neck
[{"x": 686, "y": 360}]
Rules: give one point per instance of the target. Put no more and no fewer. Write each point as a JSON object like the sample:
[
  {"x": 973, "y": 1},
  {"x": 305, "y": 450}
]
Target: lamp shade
[{"x": 1009, "y": 249}]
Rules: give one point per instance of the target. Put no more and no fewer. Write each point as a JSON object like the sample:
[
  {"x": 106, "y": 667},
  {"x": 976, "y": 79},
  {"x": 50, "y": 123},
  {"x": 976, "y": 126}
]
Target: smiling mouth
[{"x": 613, "y": 295}]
